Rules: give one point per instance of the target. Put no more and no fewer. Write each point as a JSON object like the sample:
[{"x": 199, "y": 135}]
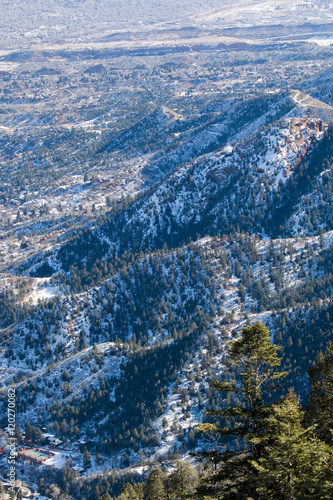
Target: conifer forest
[{"x": 166, "y": 250}]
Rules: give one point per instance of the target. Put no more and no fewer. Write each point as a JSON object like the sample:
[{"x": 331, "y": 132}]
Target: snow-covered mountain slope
[
  {"x": 172, "y": 139},
  {"x": 320, "y": 86},
  {"x": 133, "y": 328},
  {"x": 252, "y": 185},
  {"x": 154, "y": 324}
]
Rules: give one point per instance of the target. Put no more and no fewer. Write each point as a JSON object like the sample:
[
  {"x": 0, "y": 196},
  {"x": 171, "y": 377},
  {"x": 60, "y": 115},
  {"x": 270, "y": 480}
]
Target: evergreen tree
[
  {"x": 256, "y": 360},
  {"x": 38, "y": 436},
  {"x": 320, "y": 407},
  {"x": 154, "y": 487},
  {"x": 182, "y": 482},
  {"x": 28, "y": 431},
  {"x": 130, "y": 492},
  {"x": 294, "y": 463},
  {"x": 106, "y": 496},
  {"x": 86, "y": 458},
  {"x": 18, "y": 434}
]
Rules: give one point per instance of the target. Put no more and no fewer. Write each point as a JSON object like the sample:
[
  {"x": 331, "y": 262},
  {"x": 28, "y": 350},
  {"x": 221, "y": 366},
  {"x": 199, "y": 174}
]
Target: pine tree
[
  {"x": 294, "y": 463},
  {"x": 130, "y": 492},
  {"x": 138, "y": 490},
  {"x": 182, "y": 482},
  {"x": 38, "y": 436},
  {"x": 257, "y": 363},
  {"x": 28, "y": 431},
  {"x": 86, "y": 458},
  {"x": 154, "y": 487},
  {"x": 320, "y": 407},
  {"x": 18, "y": 434}
]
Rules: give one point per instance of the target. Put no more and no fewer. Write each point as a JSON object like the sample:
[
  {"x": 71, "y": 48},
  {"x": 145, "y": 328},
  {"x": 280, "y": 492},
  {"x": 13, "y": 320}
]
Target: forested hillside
[
  {"x": 146, "y": 300},
  {"x": 166, "y": 250}
]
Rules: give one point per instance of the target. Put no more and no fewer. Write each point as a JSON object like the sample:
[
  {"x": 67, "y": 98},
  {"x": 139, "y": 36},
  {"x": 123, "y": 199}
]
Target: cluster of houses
[
  {"x": 30, "y": 452},
  {"x": 34, "y": 453}
]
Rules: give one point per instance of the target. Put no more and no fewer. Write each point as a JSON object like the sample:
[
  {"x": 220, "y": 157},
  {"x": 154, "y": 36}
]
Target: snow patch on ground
[{"x": 42, "y": 290}]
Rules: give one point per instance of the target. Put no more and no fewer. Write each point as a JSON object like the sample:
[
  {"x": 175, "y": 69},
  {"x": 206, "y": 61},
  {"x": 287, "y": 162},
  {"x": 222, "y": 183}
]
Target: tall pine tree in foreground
[
  {"x": 294, "y": 463},
  {"x": 256, "y": 362},
  {"x": 276, "y": 457},
  {"x": 320, "y": 407}
]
